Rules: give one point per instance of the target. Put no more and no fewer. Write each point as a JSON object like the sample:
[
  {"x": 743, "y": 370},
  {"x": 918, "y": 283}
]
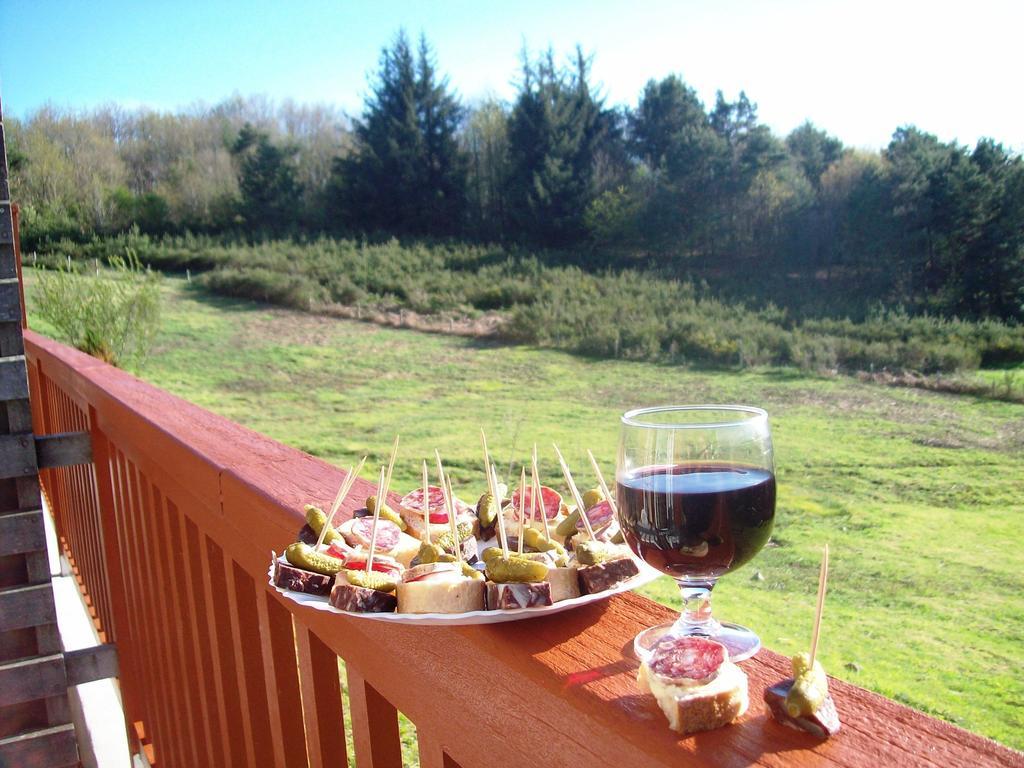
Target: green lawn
[{"x": 919, "y": 494}]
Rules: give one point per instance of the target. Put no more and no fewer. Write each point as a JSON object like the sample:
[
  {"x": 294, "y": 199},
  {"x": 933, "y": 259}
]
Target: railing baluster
[
  {"x": 159, "y": 545},
  {"x": 432, "y": 754},
  {"x": 127, "y": 643},
  {"x": 237, "y": 747},
  {"x": 374, "y": 724},
  {"x": 184, "y": 615},
  {"x": 249, "y": 660},
  {"x": 321, "y": 700},
  {"x": 210, "y": 690},
  {"x": 176, "y": 732},
  {"x": 281, "y": 671},
  {"x": 156, "y": 705}
]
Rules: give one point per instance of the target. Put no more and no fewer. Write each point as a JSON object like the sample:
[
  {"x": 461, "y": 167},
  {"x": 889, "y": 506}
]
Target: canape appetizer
[
  {"x": 441, "y": 588},
  {"x": 549, "y": 510},
  {"x": 694, "y": 683},
  {"x": 803, "y": 701},
  {"x": 362, "y": 592},
  {"x": 304, "y": 569},
  {"x": 446, "y": 582},
  {"x": 412, "y": 505},
  {"x": 515, "y": 580},
  {"x": 366, "y": 590},
  {"x": 600, "y": 564},
  {"x": 391, "y": 540}
]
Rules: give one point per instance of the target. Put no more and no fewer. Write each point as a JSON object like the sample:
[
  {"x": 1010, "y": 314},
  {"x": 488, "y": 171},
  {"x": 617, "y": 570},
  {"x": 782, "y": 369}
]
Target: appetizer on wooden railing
[
  {"x": 438, "y": 555},
  {"x": 694, "y": 683},
  {"x": 803, "y": 701}
]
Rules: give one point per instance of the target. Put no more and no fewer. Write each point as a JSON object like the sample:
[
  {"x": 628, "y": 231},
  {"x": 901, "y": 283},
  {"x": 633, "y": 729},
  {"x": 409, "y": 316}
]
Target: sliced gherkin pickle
[
  {"x": 592, "y": 497},
  {"x": 315, "y": 519},
  {"x": 809, "y": 689},
  {"x": 444, "y": 541},
  {"x": 371, "y": 580},
  {"x": 516, "y": 569},
  {"x": 429, "y": 553},
  {"x": 386, "y": 513},
  {"x": 568, "y": 526},
  {"x": 304, "y": 556},
  {"x": 534, "y": 538},
  {"x": 594, "y": 552},
  {"x": 470, "y": 572},
  {"x": 486, "y": 511},
  {"x": 804, "y": 697}
]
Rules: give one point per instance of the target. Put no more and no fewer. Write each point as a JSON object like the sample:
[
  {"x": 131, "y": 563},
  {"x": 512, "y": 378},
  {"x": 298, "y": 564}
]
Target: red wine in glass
[
  {"x": 696, "y": 499},
  {"x": 697, "y": 520}
]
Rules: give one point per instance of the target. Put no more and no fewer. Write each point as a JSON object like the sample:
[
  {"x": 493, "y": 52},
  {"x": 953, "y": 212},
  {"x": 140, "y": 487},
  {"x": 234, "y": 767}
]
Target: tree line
[{"x": 669, "y": 185}]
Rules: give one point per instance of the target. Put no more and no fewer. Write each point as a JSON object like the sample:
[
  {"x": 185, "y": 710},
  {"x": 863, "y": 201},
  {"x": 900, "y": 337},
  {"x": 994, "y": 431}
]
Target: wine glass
[{"x": 695, "y": 486}]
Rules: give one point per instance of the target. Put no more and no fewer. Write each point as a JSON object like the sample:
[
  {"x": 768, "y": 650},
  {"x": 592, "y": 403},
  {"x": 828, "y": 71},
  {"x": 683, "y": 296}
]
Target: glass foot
[{"x": 739, "y": 641}]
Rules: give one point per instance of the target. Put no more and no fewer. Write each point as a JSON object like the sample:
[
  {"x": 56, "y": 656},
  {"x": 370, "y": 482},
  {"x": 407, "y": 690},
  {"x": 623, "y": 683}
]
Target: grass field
[{"x": 919, "y": 494}]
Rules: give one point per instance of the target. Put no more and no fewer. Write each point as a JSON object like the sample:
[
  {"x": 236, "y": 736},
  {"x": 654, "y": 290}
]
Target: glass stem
[{"x": 696, "y": 618}]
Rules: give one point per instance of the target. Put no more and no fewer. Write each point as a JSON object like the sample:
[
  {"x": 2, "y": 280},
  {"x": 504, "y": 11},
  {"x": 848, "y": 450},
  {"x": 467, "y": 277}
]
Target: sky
[{"x": 858, "y": 70}]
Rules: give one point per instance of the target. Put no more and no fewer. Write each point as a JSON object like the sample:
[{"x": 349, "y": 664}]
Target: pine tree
[
  {"x": 266, "y": 181},
  {"x": 406, "y": 174},
  {"x": 554, "y": 131}
]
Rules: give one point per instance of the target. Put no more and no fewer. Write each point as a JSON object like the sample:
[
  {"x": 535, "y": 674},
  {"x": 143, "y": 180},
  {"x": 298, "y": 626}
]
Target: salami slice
[
  {"x": 387, "y": 533},
  {"x": 381, "y": 564},
  {"x": 599, "y": 516},
  {"x": 692, "y": 658},
  {"x": 413, "y": 501},
  {"x": 340, "y": 549},
  {"x": 550, "y": 502}
]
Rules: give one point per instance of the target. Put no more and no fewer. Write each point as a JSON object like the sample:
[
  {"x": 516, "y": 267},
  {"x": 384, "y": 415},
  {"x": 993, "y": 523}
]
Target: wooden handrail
[{"x": 172, "y": 536}]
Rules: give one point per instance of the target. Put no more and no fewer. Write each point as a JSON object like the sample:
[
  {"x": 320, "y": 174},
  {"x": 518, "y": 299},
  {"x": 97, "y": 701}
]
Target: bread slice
[{"x": 693, "y": 708}]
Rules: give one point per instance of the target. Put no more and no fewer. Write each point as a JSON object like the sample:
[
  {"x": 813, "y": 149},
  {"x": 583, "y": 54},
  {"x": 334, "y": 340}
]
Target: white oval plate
[{"x": 646, "y": 575}]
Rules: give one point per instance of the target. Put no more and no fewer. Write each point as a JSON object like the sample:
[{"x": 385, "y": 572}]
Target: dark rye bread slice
[
  {"x": 349, "y": 597},
  {"x": 287, "y": 576},
  {"x": 598, "y": 578},
  {"x": 516, "y": 595}
]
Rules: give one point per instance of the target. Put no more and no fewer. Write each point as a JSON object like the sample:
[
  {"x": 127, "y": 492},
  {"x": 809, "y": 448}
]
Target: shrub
[
  {"x": 545, "y": 300},
  {"x": 112, "y": 314}
]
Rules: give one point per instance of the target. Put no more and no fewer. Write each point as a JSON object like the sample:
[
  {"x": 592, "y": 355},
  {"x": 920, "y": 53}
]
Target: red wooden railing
[{"x": 170, "y": 534}]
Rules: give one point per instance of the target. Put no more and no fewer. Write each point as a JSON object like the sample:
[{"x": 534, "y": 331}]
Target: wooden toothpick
[
  {"x": 503, "y": 540},
  {"x": 522, "y": 506},
  {"x": 450, "y": 501},
  {"x": 487, "y": 459},
  {"x": 426, "y": 503},
  {"x": 391, "y": 462},
  {"x": 346, "y": 486},
  {"x": 602, "y": 483},
  {"x": 382, "y": 493},
  {"x": 537, "y": 495},
  {"x": 822, "y": 580},
  {"x": 575, "y": 493}
]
